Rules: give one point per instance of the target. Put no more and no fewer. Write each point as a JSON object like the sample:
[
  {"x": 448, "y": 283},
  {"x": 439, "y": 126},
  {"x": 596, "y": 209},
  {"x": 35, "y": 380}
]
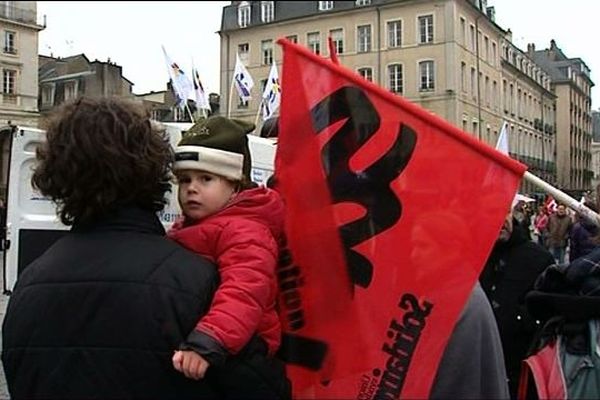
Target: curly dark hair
[{"x": 102, "y": 154}]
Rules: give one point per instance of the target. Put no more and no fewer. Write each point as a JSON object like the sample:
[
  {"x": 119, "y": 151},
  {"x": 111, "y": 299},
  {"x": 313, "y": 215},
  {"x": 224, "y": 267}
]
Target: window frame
[
  {"x": 361, "y": 71},
  {"x": 244, "y": 14},
  {"x": 325, "y": 5},
  {"x": 429, "y": 84},
  {"x": 397, "y": 35},
  {"x": 336, "y": 43},
  {"x": 393, "y": 83},
  {"x": 10, "y": 42},
  {"x": 359, "y": 44},
  {"x": 267, "y": 11},
  {"x": 315, "y": 47},
  {"x": 266, "y": 53},
  {"x": 9, "y": 81},
  {"x": 430, "y": 33}
]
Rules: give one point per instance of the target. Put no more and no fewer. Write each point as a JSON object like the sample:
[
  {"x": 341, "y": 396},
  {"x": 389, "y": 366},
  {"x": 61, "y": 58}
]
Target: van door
[{"x": 31, "y": 222}]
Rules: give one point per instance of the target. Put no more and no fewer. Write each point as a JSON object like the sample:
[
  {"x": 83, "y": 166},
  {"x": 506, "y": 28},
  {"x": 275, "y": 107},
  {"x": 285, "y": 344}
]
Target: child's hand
[{"x": 189, "y": 363}]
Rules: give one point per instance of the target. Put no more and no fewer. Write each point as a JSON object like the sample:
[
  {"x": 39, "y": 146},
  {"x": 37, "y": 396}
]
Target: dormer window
[
  {"x": 244, "y": 14},
  {"x": 325, "y": 5},
  {"x": 267, "y": 11}
]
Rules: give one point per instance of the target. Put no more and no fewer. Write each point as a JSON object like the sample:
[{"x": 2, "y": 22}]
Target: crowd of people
[{"x": 119, "y": 308}]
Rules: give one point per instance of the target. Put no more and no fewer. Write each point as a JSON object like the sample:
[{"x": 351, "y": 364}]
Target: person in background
[
  {"x": 581, "y": 237},
  {"x": 99, "y": 313},
  {"x": 509, "y": 273},
  {"x": 559, "y": 226},
  {"x": 540, "y": 224},
  {"x": 240, "y": 227}
]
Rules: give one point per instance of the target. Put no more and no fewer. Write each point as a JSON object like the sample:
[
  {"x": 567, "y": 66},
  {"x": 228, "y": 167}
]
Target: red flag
[
  {"x": 389, "y": 221},
  {"x": 550, "y": 204}
]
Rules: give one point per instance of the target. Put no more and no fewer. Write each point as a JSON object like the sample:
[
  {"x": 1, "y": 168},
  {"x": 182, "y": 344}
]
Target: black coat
[
  {"x": 509, "y": 274},
  {"x": 101, "y": 312}
]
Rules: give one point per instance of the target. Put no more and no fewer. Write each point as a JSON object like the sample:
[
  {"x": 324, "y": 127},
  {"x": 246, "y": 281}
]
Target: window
[
  {"x": 363, "y": 2},
  {"x": 473, "y": 83},
  {"x": 394, "y": 29},
  {"x": 325, "y": 5},
  {"x": 337, "y": 36},
  {"x": 70, "y": 90},
  {"x": 426, "y": 76},
  {"x": 48, "y": 94},
  {"x": 364, "y": 38},
  {"x": 494, "y": 55},
  {"x": 426, "y": 29},
  {"x": 9, "y": 77},
  {"x": 367, "y": 73},
  {"x": 472, "y": 37},
  {"x": 266, "y": 47},
  {"x": 292, "y": 38},
  {"x": 314, "y": 42},
  {"x": 10, "y": 42},
  {"x": 463, "y": 32},
  {"x": 486, "y": 47},
  {"x": 244, "y": 14},
  {"x": 267, "y": 11},
  {"x": 244, "y": 52},
  {"x": 463, "y": 76},
  {"x": 395, "y": 78}
]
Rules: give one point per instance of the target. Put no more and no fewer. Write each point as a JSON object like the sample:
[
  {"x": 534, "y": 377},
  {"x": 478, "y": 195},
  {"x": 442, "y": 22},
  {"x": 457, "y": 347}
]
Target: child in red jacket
[{"x": 236, "y": 225}]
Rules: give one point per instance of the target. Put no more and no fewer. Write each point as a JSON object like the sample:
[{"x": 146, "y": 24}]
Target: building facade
[
  {"x": 449, "y": 56},
  {"x": 572, "y": 85},
  {"x": 63, "y": 79},
  {"x": 19, "y": 66}
]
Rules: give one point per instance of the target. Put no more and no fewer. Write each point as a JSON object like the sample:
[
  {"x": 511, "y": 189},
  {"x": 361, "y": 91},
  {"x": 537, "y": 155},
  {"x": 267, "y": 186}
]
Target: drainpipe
[
  {"x": 379, "y": 77},
  {"x": 478, "y": 80}
]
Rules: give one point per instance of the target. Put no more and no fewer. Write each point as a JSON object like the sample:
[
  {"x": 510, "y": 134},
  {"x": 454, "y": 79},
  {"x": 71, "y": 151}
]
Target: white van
[{"x": 31, "y": 221}]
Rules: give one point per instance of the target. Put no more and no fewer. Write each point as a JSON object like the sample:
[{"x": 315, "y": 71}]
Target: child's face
[{"x": 202, "y": 193}]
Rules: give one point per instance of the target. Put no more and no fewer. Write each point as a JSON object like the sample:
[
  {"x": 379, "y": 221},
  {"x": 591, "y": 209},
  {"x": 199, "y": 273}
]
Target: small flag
[
  {"x": 200, "y": 95},
  {"x": 550, "y": 204},
  {"x": 502, "y": 144},
  {"x": 180, "y": 83},
  {"x": 242, "y": 80},
  {"x": 272, "y": 94}
]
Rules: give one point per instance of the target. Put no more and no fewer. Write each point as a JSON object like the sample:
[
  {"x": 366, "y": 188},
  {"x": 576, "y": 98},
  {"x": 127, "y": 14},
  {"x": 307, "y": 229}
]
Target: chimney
[{"x": 530, "y": 49}]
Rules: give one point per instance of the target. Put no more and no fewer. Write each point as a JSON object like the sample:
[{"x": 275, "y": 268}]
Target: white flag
[
  {"x": 180, "y": 82},
  {"x": 502, "y": 144},
  {"x": 242, "y": 80},
  {"x": 272, "y": 94},
  {"x": 201, "y": 96}
]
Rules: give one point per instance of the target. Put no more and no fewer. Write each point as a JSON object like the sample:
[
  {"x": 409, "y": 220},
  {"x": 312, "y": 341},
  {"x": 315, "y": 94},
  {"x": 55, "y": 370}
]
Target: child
[{"x": 238, "y": 228}]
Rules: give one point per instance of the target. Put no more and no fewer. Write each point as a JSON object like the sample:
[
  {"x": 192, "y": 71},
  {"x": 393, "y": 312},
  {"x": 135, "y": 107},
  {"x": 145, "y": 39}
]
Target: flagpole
[
  {"x": 258, "y": 112},
  {"x": 562, "y": 197},
  {"x": 230, "y": 98}
]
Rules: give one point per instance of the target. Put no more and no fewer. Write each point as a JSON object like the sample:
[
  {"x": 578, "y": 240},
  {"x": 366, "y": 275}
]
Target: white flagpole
[
  {"x": 562, "y": 197},
  {"x": 258, "y": 113},
  {"x": 230, "y": 99}
]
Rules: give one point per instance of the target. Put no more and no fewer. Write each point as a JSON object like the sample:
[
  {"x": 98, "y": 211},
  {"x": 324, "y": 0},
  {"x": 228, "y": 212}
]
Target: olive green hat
[{"x": 218, "y": 145}]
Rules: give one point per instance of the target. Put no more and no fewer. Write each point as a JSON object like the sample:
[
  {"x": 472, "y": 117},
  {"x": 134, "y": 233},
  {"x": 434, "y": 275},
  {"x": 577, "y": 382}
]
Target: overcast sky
[{"x": 131, "y": 33}]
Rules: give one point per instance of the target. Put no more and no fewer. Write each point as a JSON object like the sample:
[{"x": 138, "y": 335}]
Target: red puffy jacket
[{"x": 243, "y": 240}]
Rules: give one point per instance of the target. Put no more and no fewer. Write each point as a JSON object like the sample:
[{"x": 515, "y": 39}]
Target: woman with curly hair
[{"x": 100, "y": 313}]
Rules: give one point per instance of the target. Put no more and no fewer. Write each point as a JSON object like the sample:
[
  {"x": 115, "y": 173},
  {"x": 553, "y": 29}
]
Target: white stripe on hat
[{"x": 219, "y": 162}]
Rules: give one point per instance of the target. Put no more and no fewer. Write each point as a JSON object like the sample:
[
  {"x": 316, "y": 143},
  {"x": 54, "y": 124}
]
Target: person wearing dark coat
[
  {"x": 581, "y": 237},
  {"x": 509, "y": 273},
  {"x": 101, "y": 312}
]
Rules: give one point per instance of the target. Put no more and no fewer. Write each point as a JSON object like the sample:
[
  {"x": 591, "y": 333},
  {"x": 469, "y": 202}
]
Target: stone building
[
  {"x": 449, "y": 56},
  {"x": 572, "y": 85}
]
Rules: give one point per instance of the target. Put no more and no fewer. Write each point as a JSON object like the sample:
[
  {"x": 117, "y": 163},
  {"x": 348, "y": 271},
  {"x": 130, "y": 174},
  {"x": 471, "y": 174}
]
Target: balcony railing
[{"x": 17, "y": 13}]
